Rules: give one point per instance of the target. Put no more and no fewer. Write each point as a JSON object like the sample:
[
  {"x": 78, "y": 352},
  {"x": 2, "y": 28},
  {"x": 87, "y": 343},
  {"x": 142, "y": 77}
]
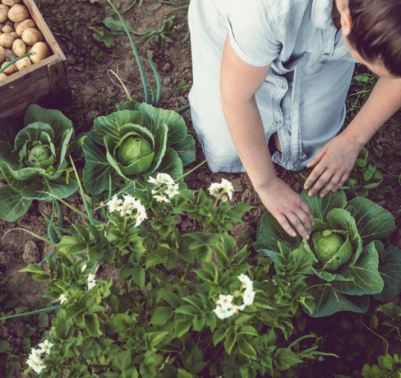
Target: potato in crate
[{"x": 33, "y": 79}]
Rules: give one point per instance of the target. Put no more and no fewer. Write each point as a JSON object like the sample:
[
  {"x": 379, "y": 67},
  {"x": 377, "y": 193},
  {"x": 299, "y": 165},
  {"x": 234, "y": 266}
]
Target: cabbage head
[
  {"x": 348, "y": 258},
  {"x": 134, "y": 142},
  {"x": 33, "y": 159},
  {"x": 331, "y": 250}
]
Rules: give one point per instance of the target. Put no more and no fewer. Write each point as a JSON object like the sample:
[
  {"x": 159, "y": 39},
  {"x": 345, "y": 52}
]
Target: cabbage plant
[
  {"x": 33, "y": 160},
  {"x": 349, "y": 257},
  {"x": 136, "y": 141}
]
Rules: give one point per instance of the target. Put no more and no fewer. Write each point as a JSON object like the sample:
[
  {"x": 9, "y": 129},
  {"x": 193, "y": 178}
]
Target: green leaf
[
  {"x": 97, "y": 168},
  {"x": 160, "y": 137},
  {"x": 9, "y": 128},
  {"x": 153, "y": 118},
  {"x": 92, "y": 325},
  {"x": 221, "y": 257},
  {"x": 365, "y": 274},
  {"x": 329, "y": 301},
  {"x": 121, "y": 361},
  {"x": 270, "y": 233},
  {"x": 58, "y": 122},
  {"x": 82, "y": 231},
  {"x": 138, "y": 275},
  {"x": 172, "y": 299},
  {"x": 92, "y": 347},
  {"x": 156, "y": 338},
  {"x": 285, "y": 358},
  {"x": 186, "y": 150},
  {"x": 246, "y": 349},
  {"x": 12, "y": 204},
  {"x": 182, "y": 327},
  {"x": 322, "y": 206},
  {"x": 123, "y": 321},
  {"x": 115, "y": 25},
  {"x": 111, "y": 125},
  {"x": 171, "y": 164},
  {"x": 230, "y": 342},
  {"x": 390, "y": 271},
  {"x": 58, "y": 188},
  {"x": 129, "y": 105},
  {"x": 8, "y": 155},
  {"x": 161, "y": 315},
  {"x": 373, "y": 222},
  {"x": 186, "y": 310}
]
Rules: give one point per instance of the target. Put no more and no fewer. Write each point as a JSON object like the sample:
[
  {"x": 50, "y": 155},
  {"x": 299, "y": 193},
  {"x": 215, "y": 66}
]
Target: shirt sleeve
[{"x": 252, "y": 33}]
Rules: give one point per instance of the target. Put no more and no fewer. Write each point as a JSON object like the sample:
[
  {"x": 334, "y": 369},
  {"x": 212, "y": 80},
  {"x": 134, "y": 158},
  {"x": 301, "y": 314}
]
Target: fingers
[
  {"x": 308, "y": 212},
  {"x": 342, "y": 181},
  {"x": 285, "y": 224},
  {"x": 314, "y": 176},
  {"x": 332, "y": 185},
  {"x": 300, "y": 221},
  {"x": 317, "y": 158},
  {"x": 331, "y": 180}
]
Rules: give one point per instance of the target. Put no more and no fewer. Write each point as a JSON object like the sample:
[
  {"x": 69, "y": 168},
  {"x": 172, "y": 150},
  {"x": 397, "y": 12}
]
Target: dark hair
[{"x": 376, "y": 32}]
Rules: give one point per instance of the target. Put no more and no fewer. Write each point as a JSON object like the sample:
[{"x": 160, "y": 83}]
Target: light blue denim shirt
[{"x": 303, "y": 96}]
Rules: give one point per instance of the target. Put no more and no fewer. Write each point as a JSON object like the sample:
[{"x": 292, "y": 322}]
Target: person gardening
[{"x": 279, "y": 71}]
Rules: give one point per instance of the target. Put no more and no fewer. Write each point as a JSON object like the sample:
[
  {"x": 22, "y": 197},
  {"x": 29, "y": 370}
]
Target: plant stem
[
  {"x": 138, "y": 60},
  {"x": 180, "y": 110},
  {"x": 158, "y": 81},
  {"x": 16, "y": 60},
  {"x": 193, "y": 169},
  {"x": 48, "y": 309},
  {"x": 376, "y": 335},
  {"x": 185, "y": 273},
  {"x": 81, "y": 189}
]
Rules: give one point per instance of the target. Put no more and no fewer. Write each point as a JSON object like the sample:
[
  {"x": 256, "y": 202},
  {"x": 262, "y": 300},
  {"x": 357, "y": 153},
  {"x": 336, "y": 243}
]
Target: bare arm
[
  {"x": 238, "y": 86},
  {"x": 336, "y": 160}
]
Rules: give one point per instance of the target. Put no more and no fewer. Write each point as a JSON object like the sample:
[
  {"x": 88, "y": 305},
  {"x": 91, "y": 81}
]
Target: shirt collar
[{"x": 322, "y": 17}]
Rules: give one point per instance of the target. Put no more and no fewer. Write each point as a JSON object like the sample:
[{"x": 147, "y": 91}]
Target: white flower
[
  {"x": 249, "y": 296},
  {"x": 172, "y": 190},
  {"x": 240, "y": 308},
  {"x": 83, "y": 267},
  {"x": 154, "y": 191},
  {"x": 225, "y": 301},
  {"x": 228, "y": 188},
  {"x": 164, "y": 178},
  {"x": 153, "y": 181},
  {"x": 91, "y": 281},
  {"x": 214, "y": 188},
  {"x": 114, "y": 204},
  {"x": 45, "y": 346},
  {"x": 161, "y": 198},
  {"x": 140, "y": 215},
  {"x": 37, "y": 366},
  {"x": 62, "y": 298},
  {"x": 126, "y": 208},
  {"x": 221, "y": 312},
  {"x": 130, "y": 200},
  {"x": 35, "y": 355},
  {"x": 246, "y": 281}
]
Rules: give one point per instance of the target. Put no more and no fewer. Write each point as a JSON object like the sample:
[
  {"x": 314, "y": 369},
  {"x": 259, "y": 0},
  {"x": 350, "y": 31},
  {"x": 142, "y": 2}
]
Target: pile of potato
[{"x": 18, "y": 36}]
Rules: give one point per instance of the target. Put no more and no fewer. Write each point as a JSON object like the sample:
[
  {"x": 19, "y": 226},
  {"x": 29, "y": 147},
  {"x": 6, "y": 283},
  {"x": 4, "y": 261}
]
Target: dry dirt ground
[{"x": 93, "y": 94}]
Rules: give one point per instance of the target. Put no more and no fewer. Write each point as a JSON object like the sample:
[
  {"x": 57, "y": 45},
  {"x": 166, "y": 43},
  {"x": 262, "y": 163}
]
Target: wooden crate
[{"x": 36, "y": 83}]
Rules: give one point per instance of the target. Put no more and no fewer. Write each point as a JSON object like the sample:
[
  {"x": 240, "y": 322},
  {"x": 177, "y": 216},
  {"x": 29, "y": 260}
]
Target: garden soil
[{"x": 90, "y": 84}]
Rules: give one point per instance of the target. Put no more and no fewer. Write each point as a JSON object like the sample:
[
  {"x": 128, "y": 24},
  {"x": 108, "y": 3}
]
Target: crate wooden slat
[{"x": 36, "y": 83}]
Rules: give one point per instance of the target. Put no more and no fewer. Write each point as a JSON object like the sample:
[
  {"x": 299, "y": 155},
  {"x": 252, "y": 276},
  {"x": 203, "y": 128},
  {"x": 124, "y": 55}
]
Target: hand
[
  {"x": 287, "y": 207},
  {"x": 333, "y": 164}
]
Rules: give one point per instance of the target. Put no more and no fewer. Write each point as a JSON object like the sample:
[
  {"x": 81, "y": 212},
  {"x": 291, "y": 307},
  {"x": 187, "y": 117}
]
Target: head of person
[{"x": 372, "y": 32}]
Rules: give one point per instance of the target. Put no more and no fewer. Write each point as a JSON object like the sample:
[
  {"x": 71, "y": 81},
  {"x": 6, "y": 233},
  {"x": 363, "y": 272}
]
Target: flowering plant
[{"x": 172, "y": 288}]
